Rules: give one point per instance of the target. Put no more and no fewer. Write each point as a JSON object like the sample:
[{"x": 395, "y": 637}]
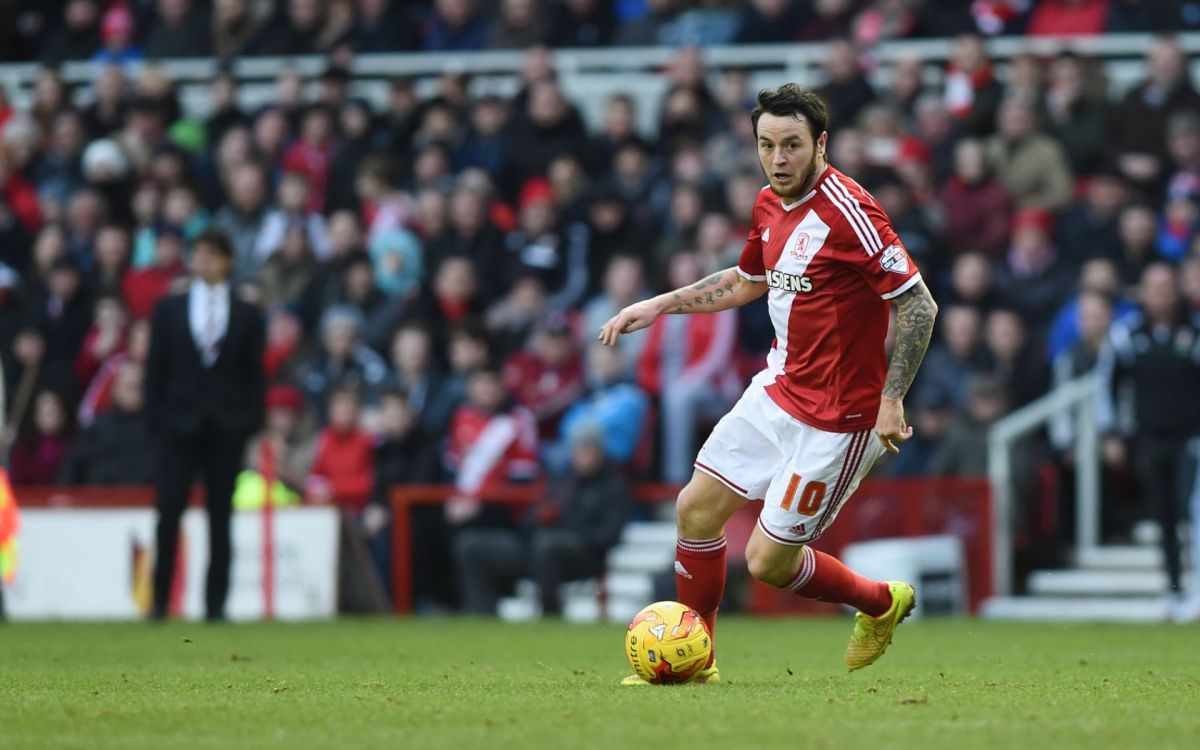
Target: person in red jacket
[
  {"x": 685, "y": 364},
  {"x": 142, "y": 289},
  {"x": 490, "y": 442},
  {"x": 547, "y": 376},
  {"x": 343, "y": 470}
]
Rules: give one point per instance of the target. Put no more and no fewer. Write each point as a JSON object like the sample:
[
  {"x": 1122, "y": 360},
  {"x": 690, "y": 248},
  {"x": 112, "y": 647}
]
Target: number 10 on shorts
[{"x": 810, "y": 497}]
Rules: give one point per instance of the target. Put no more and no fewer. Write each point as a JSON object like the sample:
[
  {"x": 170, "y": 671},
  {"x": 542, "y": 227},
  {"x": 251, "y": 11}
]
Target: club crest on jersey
[
  {"x": 766, "y": 235},
  {"x": 788, "y": 282},
  {"x": 894, "y": 259},
  {"x": 800, "y": 246}
]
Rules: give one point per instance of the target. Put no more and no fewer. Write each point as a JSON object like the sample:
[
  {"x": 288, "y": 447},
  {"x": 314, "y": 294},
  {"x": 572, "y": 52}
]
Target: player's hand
[
  {"x": 890, "y": 426},
  {"x": 633, "y": 318}
]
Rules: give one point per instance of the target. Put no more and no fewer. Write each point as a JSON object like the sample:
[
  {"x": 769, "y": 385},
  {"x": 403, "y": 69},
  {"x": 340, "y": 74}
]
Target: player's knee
[
  {"x": 768, "y": 568},
  {"x": 697, "y": 516}
]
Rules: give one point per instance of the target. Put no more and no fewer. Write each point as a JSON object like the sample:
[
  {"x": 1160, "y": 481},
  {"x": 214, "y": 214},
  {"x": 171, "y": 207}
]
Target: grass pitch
[{"x": 478, "y": 684}]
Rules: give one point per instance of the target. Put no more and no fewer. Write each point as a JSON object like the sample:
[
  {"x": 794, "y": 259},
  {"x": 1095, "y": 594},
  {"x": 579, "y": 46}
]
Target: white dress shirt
[{"x": 208, "y": 316}]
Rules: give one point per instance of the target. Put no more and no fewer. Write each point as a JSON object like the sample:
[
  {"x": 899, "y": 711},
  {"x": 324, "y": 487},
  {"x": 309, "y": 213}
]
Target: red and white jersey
[{"x": 831, "y": 260}]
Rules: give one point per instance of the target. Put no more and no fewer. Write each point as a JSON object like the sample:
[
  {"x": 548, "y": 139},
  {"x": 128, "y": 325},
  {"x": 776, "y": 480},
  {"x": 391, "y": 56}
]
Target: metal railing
[{"x": 1078, "y": 398}]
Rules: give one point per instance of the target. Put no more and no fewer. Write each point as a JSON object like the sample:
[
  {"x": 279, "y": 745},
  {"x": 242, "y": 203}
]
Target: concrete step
[
  {"x": 650, "y": 533},
  {"x": 633, "y": 585},
  {"x": 1098, "y": 582},
  {"x": 1075, "y": 609},
  {"x": 1120, "y": 557},
  {"x": 640, "y": 558}
]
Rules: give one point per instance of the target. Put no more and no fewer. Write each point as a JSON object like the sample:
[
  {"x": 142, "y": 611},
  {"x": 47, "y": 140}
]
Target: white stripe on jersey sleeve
[
  {"x": 855, "y": 206},
  {"x": 868, "y": 247},
  {"x": 903, "y": 287},
  {"x": 751, "y": 277}
]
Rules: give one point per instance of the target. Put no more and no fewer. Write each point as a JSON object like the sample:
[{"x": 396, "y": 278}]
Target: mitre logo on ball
[{"x": 894, "y": 259}]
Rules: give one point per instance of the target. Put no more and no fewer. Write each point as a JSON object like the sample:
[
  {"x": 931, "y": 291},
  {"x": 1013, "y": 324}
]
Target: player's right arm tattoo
[
  {"x": 915, "y": 312},
  {"x": 719, "y": 291}
]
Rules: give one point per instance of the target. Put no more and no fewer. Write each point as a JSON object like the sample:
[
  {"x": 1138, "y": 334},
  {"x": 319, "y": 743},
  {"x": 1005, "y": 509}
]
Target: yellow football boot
[{"x": 872, "y": 635}]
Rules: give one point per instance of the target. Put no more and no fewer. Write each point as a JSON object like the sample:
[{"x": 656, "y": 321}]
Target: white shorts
[{"x": 802, "y": 474}]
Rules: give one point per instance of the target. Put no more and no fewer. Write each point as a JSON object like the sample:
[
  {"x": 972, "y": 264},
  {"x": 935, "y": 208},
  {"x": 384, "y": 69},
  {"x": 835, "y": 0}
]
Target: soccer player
[{"x": 828, "y": 404}]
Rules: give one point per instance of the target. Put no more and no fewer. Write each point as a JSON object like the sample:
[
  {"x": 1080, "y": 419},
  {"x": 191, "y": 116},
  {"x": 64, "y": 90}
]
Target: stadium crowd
[
  {"x": 124, "y": 31},
  {"x": 432, "y": 275}
]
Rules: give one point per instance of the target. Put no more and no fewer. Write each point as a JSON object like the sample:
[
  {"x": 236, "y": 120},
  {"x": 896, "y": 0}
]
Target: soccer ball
[{"x": 667, "y": 642}]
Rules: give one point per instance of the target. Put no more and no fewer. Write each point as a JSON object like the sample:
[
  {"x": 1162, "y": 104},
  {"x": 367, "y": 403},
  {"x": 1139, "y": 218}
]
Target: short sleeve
[
  {"x": 750, "y": 264},
  {"x": 879, "y": 254}
]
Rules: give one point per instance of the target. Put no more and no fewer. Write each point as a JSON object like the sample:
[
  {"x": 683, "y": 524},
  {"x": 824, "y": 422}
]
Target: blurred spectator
[
  {"x": 397, "y": 261},
  {"x": 143, "y": 288},
  {"x": 473, "y": 235},
  {"x": 454, "y": 26},
  {"x": 547, "y": 127},
  {"x": 288, "y": 272},
  {"x": 646, "y": 29},
  {"x": 234, "y": 25},
  {"x": 43, "y": 442},
  {"x": 1034, "y": 277},
  {"x": 1095, "y": 314},
  {"x": 178, "y": 31},
  {"x": 117, "y": 448},
  {"x": 846, "y": 91},
  {"x": 293, "y": 203},
  {"x": 770, "y": 21},
  {"x": 624, "y": 284},
  {"x": 976, "y": 206},
  {"x": 1011, "y": 357},
  {"x": 1097, "y": 276},
  {"x": 1150, "y": 373},
  {"x": 416, "y": 378},
  {"x": 382, "y": 27},
  {"x": 1067, "y": 17},
  {"x": 341, "y": 357},
  {"x": 954, "y": 357},
  {"x": 490, "y": 442},
  {"x": 964, "y": 451},
  {"x": 1074, "y": 111},
  {"x": 78, "y": 37},
  {"x": 1137, "y": 126},
  {"x": 685, "y": 364},
  {"x": 244, "y": 216},
  {"x": 612, "y": 406},
  {"x": 972, "y": 92},
  {"x": 581, "y": 23},
  {"x": 1031, "y": 164},
  {"x": 972, "y": 283},
  {"x": 1089, "y": 227},
  {"x": 105, "y": 337},
  {"x": 292, "y": 445},
  {"x": 62, "y": 311},
  {"x": 519, "y": 24},
  {"x": 573, "y": 528},
  {"x": 543, "y": 247},
  {"x": 112, "y": 249},
  {"x": 97, "y": 397},
  {"x": 293, "y": 29},
  {"x": 310, "y": 154},
  {"x": 1180, "y": 219},
  {"x": 405, "y": 453},
  {"x": 343, "y": 465},
  {"x": 1137, "y": 228},
  {"x": 546, "y": 377}
]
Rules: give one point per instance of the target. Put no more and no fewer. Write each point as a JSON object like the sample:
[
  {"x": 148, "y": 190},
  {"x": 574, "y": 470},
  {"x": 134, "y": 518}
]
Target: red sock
[
  {"x": 823, "y": 577},
  {"x": 700, "y": 577}
]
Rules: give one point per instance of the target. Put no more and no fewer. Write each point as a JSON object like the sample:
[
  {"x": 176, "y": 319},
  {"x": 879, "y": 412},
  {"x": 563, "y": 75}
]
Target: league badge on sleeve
[{"x": 894, "y": 259}]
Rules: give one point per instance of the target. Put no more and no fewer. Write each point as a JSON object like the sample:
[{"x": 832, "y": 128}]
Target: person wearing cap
[
  {"x": 204, "y": 396},
  {"x": 293, "y": 443}
]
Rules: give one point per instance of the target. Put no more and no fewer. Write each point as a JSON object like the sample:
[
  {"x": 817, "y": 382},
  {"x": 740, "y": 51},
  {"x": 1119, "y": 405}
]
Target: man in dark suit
[{"x": 204, "y": 396}]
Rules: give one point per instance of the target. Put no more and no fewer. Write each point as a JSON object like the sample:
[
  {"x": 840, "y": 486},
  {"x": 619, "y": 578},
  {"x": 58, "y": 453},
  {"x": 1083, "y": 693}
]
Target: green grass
[{"x": 477, "y": 684}]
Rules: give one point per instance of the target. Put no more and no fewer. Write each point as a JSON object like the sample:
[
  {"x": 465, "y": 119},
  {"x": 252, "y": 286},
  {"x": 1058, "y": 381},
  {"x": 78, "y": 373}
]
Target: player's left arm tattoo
[{"x": 915, "y": 312}]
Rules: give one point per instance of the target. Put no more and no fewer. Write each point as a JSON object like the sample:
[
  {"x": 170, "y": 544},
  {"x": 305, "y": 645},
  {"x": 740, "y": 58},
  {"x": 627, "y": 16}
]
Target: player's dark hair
[
  {"x": 790, "y": 100},
  {"x": 215, "y": 239}
]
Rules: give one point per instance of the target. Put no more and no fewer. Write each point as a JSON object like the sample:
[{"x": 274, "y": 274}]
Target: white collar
[{"x": 220, "y": 290}]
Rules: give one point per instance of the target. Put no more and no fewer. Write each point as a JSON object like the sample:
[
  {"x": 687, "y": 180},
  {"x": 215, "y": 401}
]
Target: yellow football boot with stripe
[
  {"x": 703, "y": 677},
  {"x": 872, "y": 635}
]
